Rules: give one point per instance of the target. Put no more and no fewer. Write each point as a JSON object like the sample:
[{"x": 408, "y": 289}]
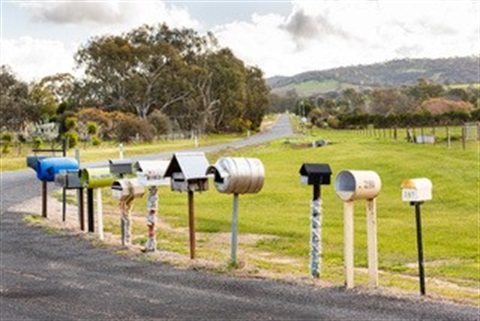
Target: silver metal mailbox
[
  {"x": 73, "y": 179},
  {"x": 187, "y": 172},
  {"x": 355, "y": 185},
  {"x": 125, "y": 188},
  {"x": 238, "y": 175},
  {"x": 416, "y": 190},
  {"x": 150, "y": 173},
  {"x": 61, "y": 179},
  {"x": 121, "y": 166}
]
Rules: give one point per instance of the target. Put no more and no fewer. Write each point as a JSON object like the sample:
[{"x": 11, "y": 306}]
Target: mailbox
[
  {"x": 416, "y": 190},
  {"x": 125, "y": 188},
  {"x": 61, "y": 179},
  {"x": 96, "y": 177},
  {"x": 47, "y": 168},
  {"x": 315, "y": 174},
  {"x": 32, "y": 161},
  {"x": 73, "y": 179},
  {"x": 121, "y": 166},
  {"x": 356, "y": 185},
  {"x": 238, "y": 175},
  {"x": 150, "y": 173},
  {"x": 187, "y": 172}
]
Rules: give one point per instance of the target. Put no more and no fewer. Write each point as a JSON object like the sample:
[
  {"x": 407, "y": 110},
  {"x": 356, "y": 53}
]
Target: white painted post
[
  {"x": 348, "y": 242},
  {"x": 100, "y": 213},
  {"x": 121, "y": 151},
  {"x": 372, "y": 242}
]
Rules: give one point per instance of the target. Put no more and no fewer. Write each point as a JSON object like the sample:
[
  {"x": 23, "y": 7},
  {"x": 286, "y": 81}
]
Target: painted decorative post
[{"x": 152, "y": 208}]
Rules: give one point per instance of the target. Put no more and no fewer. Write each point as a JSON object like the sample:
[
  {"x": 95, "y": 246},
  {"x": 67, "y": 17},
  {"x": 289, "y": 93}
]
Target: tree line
[{"x": 146, "y": 81}]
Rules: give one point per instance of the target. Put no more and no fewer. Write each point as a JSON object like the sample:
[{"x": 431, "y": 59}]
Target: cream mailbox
[
  {"x": 95, "y": 178},
  {"x": 316, "y": 175},
  {"x": 188, "y": 174},
  {"x": 359, "y": 185},
  {"x": 126, "y": 190},
  {"x": 416, "y": 190},
  {"x": 237, "y": 175},
  {"x": 150, "y": 174}
]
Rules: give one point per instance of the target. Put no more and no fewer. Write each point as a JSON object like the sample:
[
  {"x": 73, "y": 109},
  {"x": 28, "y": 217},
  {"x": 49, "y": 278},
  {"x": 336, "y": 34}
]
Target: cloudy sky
[{"x": 39, "y": 38}]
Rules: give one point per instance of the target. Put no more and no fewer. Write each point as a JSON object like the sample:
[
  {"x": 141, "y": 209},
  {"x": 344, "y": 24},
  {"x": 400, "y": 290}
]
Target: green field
[
  {"x": 274, "y": 224},
  {"x": 311, "y": 87}
]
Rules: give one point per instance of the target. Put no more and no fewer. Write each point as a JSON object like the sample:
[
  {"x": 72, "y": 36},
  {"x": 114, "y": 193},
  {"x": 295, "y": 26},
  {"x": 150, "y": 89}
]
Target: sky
[{"x": 40, "y": 38}]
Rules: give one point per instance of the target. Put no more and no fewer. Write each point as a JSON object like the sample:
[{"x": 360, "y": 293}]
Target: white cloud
[
  {"x": 32, "y": 59},
  {"x": 326, "y": 34}
]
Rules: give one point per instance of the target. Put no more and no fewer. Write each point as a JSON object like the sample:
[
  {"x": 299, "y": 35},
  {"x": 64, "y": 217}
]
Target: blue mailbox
[{"x": 47, "y": 168}]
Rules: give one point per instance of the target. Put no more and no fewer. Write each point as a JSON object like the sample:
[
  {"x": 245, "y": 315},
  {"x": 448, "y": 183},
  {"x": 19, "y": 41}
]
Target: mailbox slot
[
  {"x": 121, "y": 166},
  {"x": 47, "y": 168},
  {"x": 96, "y": 177},
  {"x": 355, "y": 185},
  {"x": 238, "y": 175},
  {"x": 416, "y": 190},
  {"x": 188, "y": 172},
  {"x": 150, "y": 173},
  {"x": 315, "y": 174}
]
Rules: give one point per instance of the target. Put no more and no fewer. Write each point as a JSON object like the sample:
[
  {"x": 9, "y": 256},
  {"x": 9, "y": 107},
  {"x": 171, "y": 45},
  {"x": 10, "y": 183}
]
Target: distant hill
[{"x": 464, "y": 70}]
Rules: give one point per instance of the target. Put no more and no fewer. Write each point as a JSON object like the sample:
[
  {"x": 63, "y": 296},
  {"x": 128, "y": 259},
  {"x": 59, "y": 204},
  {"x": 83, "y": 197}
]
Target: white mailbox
[
  {"x": 416, "y": 190},
  {"x": 238, "y": 175},
  {"x": 150, "y": 173},
  {"x": 187, "y": 172},
  {"x": 127, "y": 188},
  {"x": 356, "y": 185}
]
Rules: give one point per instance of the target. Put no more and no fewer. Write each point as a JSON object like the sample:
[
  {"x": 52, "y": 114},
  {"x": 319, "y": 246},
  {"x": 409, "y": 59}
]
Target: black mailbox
[
  {"x": 32, "y": 161},
  {"x": 315, "y": 174},
  {"x": 121, "y": 166}
]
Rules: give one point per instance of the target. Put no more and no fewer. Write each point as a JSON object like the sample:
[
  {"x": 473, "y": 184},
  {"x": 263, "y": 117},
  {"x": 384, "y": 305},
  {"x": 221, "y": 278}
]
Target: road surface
[{"x": 57, "y": 277}]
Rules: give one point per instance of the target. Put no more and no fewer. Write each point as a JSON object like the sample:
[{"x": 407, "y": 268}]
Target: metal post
[
  {"x": 234, "y": 229},
  {"x": 191, "y": 223},
  {"x": 121, "y": 151},
  {"x": 64, "y": 191},
  {"x": 372, "y": 242},
  {"x": 420, "y": 246},
  {"x": 152, "y": 208},
  {"x": 100, "y": 213},
  {"x": 91, "y": 227},
  {"x": 348, "y": 240},
  {"x": 316, "y": 233},
  {"x": 81, "y": 209},
  {"x": 44, "y": 199}
]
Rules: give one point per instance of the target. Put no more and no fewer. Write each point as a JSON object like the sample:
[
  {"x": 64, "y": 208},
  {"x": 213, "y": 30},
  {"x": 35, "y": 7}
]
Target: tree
[
  {"x": 257, "y": 97},
  {"x": 16, "y": 110},
  {"x": 425, "y": 89}
]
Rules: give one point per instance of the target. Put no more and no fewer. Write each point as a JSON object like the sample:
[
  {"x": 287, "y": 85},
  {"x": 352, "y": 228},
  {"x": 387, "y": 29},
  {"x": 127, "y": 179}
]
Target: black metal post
[
  {"x": 44, "y": 199},
  {"x": 90, "y": 217},
  {"x": 420, "y": 246},
  {"x": 81, "y": 209}
]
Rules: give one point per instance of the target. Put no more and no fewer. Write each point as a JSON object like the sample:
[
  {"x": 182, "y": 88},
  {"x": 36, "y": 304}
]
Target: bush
[
  {"x": 160, "y": 122},
  {"x": 129, "y": 127},
  {"x": 96, "y": 141},
  {"x": 92, "y": 128},
  {"x": 37, "y": 142},
  {"x": 71, "y": 123},
  {"x": 72, "y": 138},
  {"x": 7, "y": 139}
]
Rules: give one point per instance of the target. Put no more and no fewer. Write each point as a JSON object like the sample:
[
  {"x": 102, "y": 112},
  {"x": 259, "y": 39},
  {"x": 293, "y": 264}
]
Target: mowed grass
[
  {"x": 282, "y": 209},
  {"x": 110, "y": 150}
]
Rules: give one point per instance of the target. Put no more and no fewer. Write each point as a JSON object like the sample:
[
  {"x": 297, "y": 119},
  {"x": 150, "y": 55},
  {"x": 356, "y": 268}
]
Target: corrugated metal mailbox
[
  {"x": 121, "y": 166},
  {"x": 150, "y": 174},
  {"x": 416, "y": 190},
  {"x": 48, "y": 167},
  {"x": 237, "y": 175},
  {"x": 126, "y": 190},
  {"x": 359, "y": 185},
  {"x": 188, "y": 174},
  {"x": 96, "y": 177},
  {"x": 316, "y": 175}
]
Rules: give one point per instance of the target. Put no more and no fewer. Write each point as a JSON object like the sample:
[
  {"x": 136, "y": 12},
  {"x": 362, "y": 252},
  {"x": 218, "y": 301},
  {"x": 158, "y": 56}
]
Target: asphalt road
[{"x": 56, "y": 277}]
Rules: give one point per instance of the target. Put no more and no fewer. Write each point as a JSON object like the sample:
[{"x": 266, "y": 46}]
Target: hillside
[{"x": 392, "y": 73}]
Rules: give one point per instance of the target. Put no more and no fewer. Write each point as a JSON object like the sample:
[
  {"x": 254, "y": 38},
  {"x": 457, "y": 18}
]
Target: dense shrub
[
  {"x": 37, "y": 142},
  {"x": 96, "y": 141},
  {"x": 130, "y": 127},
  {"x": 72, "y": 138},
  {"x": 160, "y": 122}
]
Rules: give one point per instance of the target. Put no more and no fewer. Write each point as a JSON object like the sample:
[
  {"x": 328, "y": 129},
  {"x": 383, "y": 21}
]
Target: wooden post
[
  {"x": 191, "y": 223},
  {"x": 464, "y": 136},
  {"x": 44, "y": 199},
  {"x": 434, "y": 135},
  {"x": 348, "y": 243},
  {"x": 448, "y": 137},
  {"x": 372, "y": 242}
]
